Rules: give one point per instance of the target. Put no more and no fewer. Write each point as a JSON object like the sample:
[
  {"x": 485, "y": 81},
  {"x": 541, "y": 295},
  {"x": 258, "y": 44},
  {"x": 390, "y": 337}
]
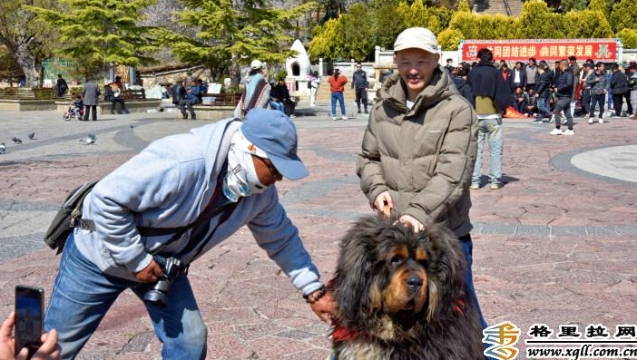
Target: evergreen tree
[
  {"x": 538, "y": 22},
  {"x": 356, "y": 26},
  {"x": 231, "y": 33},
  {"x": 599, "y": 5},
  {"x": 27, "y": 38},
  {"x": 628, "y": 38},
  {"x": 624, "y": 15},
  {"x": 449, "y": 39},
  {"x": 325, "y": 42},
  {"x": 587, "y": 24},
  {"x": 387, "y": 23},
  {"x": 97, "y": 35}
]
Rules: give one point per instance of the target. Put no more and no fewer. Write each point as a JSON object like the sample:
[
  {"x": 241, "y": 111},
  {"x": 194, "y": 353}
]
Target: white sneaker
[
  {"x": 601, "y": 121},
  {"x": 333, "y": 118},
  {"x": 591, "y": 120},
  {"x": 556, "y": 131},
  {"x": 344, "y": 117},
  {"x": 569, "y": 132}
]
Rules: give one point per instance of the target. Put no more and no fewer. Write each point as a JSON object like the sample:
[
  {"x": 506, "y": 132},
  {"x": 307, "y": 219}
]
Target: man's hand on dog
[
  {"x": 384, "y": 203},
  {"x": 324, "y": 307},
  {"x": 408, "y": 220}
]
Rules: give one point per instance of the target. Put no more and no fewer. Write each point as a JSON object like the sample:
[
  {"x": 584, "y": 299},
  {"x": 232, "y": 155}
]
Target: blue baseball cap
[{"x": 273, "y": 132}]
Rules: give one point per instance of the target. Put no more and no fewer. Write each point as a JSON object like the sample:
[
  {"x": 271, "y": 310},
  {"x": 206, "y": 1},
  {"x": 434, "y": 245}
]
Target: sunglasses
[{"x": 270, "y": 167}]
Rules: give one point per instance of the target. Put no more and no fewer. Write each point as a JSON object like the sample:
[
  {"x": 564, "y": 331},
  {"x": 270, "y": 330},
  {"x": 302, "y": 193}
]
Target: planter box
[{"x": 27, "y": 105}]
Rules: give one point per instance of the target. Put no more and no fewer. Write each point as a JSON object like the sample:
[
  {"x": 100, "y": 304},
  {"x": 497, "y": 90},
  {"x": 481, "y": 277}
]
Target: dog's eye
[
  {"x": 396, "y": 260},
  {"x": 424, "y": 263}
]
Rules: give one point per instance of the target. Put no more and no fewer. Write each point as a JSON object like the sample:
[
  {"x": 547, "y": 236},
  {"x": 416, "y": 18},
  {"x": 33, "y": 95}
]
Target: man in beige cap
[
  {"x": 257, "y": 91},
  {"x": 419, "y": 147}
]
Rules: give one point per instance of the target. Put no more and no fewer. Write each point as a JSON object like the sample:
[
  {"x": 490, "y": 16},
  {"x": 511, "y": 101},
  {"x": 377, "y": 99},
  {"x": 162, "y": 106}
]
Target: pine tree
[
  {"x": 26, "y": 38},
  {"x": 97, "y": 35},
  {"x": 231, "y": 33},
  {"x": 624, "y": 15}
]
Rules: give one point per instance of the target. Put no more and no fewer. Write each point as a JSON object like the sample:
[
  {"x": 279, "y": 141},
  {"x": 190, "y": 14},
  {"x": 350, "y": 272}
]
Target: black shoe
[
  {"x": 193, "y": 117},
  {"x": 185, "y": 116},
  {"x": 126, "y": 111},
  {"x": 112, "y": 112},
  {"x": 94, "y": 119},
  {"x": 366, "y": 111},
  {"x": 359, "y": 111}
]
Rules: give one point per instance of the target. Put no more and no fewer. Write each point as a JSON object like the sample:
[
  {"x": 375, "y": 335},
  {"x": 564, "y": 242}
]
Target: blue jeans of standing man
[
  {"x": 563, "y": 103},
  {"x": 490, "y": 129},
  {"x": 467, "y": 249},
  {"x": 542, "y": 108},
  {"x": 82, "y": 294},
  {"x": 338, "y": 96}
]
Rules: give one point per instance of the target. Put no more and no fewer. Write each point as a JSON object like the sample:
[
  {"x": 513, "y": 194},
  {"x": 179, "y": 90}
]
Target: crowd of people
[{"x": 594, "y": 91}]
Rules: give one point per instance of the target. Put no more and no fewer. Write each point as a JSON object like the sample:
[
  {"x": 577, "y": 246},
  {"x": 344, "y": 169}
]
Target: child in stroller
[{"x": 76, "y": 109}]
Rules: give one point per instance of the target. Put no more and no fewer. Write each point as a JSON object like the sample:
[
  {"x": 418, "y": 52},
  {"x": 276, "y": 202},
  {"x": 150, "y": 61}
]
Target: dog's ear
[
  {"x": 446, "y": 280},
  {"x": 354, "y": 276}
]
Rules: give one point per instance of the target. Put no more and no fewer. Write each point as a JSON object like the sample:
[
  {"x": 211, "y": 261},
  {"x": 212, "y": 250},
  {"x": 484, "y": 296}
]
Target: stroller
[{"x": 73, "y": 113}]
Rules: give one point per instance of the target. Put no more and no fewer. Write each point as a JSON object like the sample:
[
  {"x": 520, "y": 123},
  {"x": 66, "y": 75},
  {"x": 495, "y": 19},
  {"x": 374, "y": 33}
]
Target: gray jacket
[
  {"x": 168, "y": 185},
  {"x": 597, "y": 87},
  {"x": 91, "y": 93},
  {"x": 359, "y": 80}
]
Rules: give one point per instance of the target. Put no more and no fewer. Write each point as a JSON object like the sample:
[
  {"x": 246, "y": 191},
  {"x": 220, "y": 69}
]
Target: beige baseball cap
[
  {"x": 417, "y": 38},
  {"x": 256, "y": 64}
]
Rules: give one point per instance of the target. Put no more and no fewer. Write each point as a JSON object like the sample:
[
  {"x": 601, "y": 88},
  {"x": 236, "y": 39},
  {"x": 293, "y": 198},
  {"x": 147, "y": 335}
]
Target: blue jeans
[
  {"x": 467, "y": 248},
  {"x": 277, "y": 106},
  {"x": 542, "y": 108},
  {"x": 82, "y": 294},
  {"x": 491, "y": 129},
  {"x": 338, "y": 96}
]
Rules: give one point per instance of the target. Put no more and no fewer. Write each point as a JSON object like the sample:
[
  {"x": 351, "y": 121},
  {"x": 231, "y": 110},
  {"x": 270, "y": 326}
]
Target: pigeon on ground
[
  {"x": 16, "y": 140},
  {"x": 31, "y": 135},
  {"x": 89, "y": 140},
  {"x": 3, "y": 148}
]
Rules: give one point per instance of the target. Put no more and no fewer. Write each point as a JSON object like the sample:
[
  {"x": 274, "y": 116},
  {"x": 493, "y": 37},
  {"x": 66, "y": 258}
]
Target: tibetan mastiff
[{"x": 401, "y": 295}]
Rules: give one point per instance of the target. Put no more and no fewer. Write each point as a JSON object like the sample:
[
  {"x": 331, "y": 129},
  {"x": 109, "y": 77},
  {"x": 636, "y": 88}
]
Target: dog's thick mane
[{"x": 446, "y": 328}]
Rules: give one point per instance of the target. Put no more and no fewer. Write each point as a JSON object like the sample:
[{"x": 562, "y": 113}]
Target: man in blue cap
[{"x": 145, "y": 222}]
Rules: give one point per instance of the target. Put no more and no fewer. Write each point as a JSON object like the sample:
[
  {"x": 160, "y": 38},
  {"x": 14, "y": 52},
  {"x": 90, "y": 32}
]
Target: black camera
[{"x": 158, "y": 293}]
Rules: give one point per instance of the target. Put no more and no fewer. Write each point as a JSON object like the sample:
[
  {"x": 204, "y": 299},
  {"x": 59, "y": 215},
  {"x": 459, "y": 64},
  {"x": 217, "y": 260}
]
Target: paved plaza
[{"x": 556, "y": 245}]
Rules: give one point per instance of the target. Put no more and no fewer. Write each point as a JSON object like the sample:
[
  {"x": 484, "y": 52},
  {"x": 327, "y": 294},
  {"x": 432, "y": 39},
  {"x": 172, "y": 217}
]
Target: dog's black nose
[{"x": 414, "y": 282}]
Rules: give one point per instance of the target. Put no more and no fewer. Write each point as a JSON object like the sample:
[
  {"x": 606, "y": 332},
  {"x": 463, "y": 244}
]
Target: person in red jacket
[{"x": 337, "y": 85}]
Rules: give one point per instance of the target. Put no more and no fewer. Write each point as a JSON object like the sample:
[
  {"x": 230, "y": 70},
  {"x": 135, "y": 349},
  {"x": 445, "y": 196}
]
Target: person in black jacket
[
  {"x": 281, "y": 94},
  {"x": 543, "y": 92},
  {"x": 619, "y": 89},
  {"x": 61, "y": 86},
  {"x": 178, "y": 93},
  {"x": 460, "y": 80},
  {"x": 359, "y": 83},
  {"x": 492, "y": 97},
  {"x": 564, "y": 93}
]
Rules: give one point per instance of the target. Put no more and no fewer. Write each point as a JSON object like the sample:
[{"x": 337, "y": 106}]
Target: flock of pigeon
[{"x": 88, "y": 140}]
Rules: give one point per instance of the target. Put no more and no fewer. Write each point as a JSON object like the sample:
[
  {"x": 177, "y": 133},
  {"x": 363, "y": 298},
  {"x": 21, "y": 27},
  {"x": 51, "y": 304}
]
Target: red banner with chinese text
[{"x": 604, "y": 50}]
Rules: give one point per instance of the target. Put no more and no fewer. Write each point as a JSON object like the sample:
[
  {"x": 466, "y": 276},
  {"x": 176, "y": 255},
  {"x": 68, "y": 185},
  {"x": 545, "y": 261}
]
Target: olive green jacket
[{"x": 424, "y": 156}]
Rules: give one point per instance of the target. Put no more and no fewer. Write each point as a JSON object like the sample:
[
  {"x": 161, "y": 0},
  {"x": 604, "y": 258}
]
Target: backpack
[
  {"x": 67, "y": 217},
  {"x": 309, "y": 84}
]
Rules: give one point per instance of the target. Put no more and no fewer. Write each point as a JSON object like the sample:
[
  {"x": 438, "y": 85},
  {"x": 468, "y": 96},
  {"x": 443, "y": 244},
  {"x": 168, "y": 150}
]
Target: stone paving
[{"x": 556, "y": 245}]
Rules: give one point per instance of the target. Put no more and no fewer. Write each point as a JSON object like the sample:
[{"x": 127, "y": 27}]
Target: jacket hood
[{"x": 439, "y": 88}]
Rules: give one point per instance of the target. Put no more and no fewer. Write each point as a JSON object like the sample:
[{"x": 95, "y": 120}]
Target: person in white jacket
[{"x": 223, "y": 173}]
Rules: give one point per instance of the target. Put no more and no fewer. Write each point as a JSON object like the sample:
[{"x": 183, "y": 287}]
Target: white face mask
[{"x": 241, "y": 178}]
